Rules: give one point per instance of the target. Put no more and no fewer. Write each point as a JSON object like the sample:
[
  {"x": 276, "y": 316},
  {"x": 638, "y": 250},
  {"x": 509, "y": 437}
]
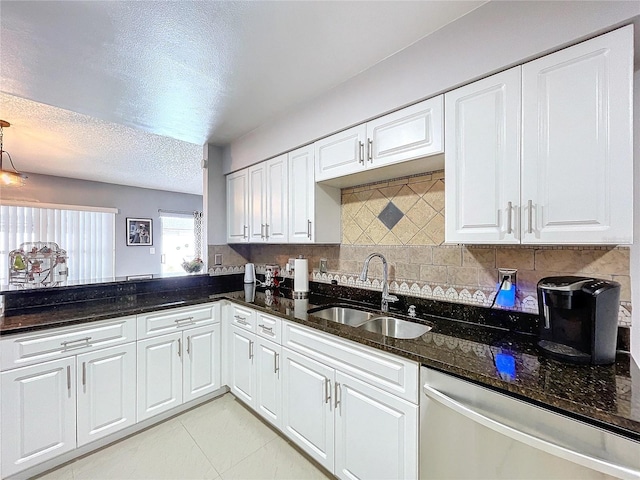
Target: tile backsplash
[{"x": 404, "y": 220}]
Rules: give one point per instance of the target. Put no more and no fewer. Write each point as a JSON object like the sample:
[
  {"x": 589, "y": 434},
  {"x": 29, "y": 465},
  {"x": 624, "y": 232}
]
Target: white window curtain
[{"x": 86, "y": 233}]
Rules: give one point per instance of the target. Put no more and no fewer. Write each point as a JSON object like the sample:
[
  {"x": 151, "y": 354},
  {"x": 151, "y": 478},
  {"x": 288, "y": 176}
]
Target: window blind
[{"x": 87, "y": 236}]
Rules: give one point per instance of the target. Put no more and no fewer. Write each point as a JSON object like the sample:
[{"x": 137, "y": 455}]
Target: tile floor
[{"x": 218, "y": 440}]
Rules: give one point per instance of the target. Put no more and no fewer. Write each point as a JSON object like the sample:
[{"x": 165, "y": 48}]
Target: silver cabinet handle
[
  {"x": 84, "y": 374},
  {"x": 189, "y": 345},
  {"x": 309, "y": 229},
  {"x": 361, "y": 147},
  {"x": 241, "y": 320},
  {"x": 180, "y": 347},
  {"x": 276, "y": 363},
  {"x": 266, "y": 230},
  {"x": 180, "y": 320},
  {"x": 69, "y": 378},
  {"x": 370, "y": 150},
  {"x": 337, "y": 394},
  {"x": 250, "y": 349},
  {"x": 327, "y": 390},
  {"x": 244, "y": 231},
  {"x": 509, "y": 208},
  {"x": 68, "y": 344},
  {"x": 264, "y": 327},
  {"x": 262, "y": 230},
  {"x": 530, "y": 207}
]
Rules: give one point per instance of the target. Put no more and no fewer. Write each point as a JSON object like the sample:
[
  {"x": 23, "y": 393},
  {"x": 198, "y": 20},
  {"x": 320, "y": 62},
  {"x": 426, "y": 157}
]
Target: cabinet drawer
[
  {"x": 27, "y": 349},
  {"x": 383, "y": 370},
  {"x": 175, "y": 319},
  {"x": 242, "y": 317},
  {"x": 269, "y": 327}
]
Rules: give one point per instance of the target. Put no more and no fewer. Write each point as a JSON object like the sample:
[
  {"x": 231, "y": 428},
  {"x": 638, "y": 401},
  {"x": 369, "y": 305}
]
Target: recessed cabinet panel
[
  {"x": 412, "y": 132},
  {"x": 106, "y": 382},
  {"x": 201, "y": 365},
  {"x": 376, "y": 433},
  {"x": 238, "y": 207},
  {"x": 302, "y": 196},
  {"x": 268, "y": 391},
  {"x": 577, "y": 158},
  {"x": 159, "y": 374},
  {"x": 276, "y": 226},
  {"x": 341, "y": 154},
  {"x": 241, "y": 370},
  {"x": 482, "y": 164},
  {"x": 38, "y": 414},
  {"x": 257, "y": 202}
]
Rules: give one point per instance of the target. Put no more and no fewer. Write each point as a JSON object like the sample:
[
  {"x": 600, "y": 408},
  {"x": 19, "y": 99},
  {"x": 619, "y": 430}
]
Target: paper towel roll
[{"x": 301, "y": 275}]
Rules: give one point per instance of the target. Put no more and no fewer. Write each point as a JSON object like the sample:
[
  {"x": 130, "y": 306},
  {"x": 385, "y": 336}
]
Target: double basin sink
[{"x": 371, "y": 322}]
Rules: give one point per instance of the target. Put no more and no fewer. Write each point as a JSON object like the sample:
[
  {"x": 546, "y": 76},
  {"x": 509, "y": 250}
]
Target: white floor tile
[
  {"x": 226, "y": 431},
  {"x": 165, "y": 451},
  {"x": 276, "y": 460},
  {"x": 62, "y": 473}
]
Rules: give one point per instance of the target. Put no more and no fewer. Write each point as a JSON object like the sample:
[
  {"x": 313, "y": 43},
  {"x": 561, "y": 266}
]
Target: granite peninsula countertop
[{"x": 607, "y": 396}]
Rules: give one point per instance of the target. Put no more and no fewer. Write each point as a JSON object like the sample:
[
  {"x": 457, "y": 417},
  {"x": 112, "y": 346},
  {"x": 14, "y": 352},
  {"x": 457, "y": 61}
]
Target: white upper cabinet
[
  {"x": 577, "y": 160},
  {"x": 277, "y": 215},
  {"x": 482, "y": 162},
  {"x": 257, "y": 199},
  {"x": 314, "y": 209},
  {"x": 564, "y": 176},
  {"x": 354, "y": 155},
  {"x": 238, "y": 207},
  {"x": 341, "y": 154}
]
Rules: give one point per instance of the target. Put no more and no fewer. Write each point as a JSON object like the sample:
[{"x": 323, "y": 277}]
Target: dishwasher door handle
[{"x": 531, "y": 440}]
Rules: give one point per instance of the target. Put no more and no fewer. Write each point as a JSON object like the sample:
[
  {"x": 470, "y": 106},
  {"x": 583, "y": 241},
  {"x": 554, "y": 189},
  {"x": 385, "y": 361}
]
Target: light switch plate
[{"x": 152, "y": 250}]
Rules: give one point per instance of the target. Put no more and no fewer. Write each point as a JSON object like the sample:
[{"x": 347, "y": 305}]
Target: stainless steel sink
[
  {"x": 395, "y": 327},
  {"x": 344, "y": 315}
]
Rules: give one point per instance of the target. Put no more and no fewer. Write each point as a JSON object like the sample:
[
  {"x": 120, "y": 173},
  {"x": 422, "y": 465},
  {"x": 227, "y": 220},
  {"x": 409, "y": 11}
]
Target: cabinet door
[
  {"x": 410, "y": 133},
  {"x": 376, "y": 433},
  {"x": 577, "y": 161},
  {"x": 241, "y": 370},
  {"x": 106, "y": 392},
  {"x": 276, "y": 228},
  {"x": 482, "y": 164},
  {"x": 341, "y": 154},
  {"x": 302, "y": 196},
  {"x": 201, "y": 365},
  {"x": 268, "y": 391},
  {"x": 238, "y": 207},
  {"x": 159, "y": 374},
  {"x": 307, "y": 411},
  {"x": 257, "y": 194},
  {"x": 38, "y": 414}
]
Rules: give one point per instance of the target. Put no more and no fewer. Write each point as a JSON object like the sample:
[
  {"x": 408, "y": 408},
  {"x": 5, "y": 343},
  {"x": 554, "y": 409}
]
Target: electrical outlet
[{"x": 217, "y": 259}]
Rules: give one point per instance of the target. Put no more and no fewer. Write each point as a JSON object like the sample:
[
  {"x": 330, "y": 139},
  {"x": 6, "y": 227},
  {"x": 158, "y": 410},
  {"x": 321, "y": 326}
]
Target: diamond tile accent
[{"x": 390, "y": 215}]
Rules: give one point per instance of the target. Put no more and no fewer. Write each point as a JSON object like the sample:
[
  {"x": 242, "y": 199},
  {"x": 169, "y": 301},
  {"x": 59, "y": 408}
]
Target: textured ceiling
[{"x": 198, "y": 72}]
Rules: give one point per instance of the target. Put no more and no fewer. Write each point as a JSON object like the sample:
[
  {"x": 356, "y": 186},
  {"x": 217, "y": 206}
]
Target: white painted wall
[
  {"x": 634, "y": 266},
  {"x": 131, "y": 202},
  {"x": 491, "y": 38},
  {"x": 216, "y": 197}
]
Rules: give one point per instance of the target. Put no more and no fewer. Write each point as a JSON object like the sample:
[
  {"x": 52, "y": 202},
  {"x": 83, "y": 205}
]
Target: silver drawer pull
[
  {"x": 264, "y": 327},
  {"x": 250, "y": 349},
  {"x": 180, "y": 347},
  {"x": 84, "y": 374},
  {"x": 327, "y": 391},
  {"x": 241, "y": 320},
  {"x": 185, "y": 319},
  {"x": 276, "y": 363},
  {"x": 68, "y": 344},
  {"x": 69, "y": 378}
]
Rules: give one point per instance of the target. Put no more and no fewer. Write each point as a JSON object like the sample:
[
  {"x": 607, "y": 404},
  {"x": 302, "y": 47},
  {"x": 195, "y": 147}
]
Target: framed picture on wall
[{"x": 139, "y": 231}]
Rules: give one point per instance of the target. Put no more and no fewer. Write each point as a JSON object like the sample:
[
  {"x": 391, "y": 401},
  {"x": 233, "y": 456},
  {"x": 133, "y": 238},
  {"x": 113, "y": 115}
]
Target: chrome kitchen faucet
[{"x": 386, "y": 298}]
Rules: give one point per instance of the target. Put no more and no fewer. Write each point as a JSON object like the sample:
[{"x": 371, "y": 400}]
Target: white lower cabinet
[
  {"x": 307, "y": 411},
  {"x": 376, "y": 434},
  {"x": 38, "y": 414},
  {"x": 176, "y": 368},
  {"x": 268, "y": 390},
  {"x": 241, "y": 372},
  {"x": 106, "y": 390}
]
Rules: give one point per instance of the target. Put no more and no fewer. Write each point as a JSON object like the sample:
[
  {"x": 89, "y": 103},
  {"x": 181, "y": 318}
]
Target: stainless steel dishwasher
[{"x": 468, "y": 432}]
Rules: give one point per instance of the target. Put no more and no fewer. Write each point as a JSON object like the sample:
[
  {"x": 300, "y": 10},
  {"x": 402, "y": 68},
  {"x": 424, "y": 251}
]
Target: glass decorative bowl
[{"x": 192, "y": 266}]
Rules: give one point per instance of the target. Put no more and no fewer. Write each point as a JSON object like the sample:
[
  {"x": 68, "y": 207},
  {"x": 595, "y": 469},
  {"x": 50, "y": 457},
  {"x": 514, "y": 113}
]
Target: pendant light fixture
[{"x": 9, "y": 178}]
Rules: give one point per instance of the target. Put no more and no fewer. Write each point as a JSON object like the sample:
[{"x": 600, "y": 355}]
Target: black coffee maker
[{"x": 579, "y": 319}]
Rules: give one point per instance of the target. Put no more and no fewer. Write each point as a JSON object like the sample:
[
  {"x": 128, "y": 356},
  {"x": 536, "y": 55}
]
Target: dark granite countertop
[{"x": 608, "y": 396}]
